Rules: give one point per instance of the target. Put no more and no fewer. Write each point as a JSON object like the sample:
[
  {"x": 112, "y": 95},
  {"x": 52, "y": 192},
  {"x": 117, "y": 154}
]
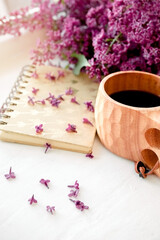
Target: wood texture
[{"x": 130, "y": 132}]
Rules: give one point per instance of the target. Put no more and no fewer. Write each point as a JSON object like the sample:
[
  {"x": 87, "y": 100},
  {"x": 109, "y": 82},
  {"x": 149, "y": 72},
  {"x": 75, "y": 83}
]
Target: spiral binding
[{"x": 24, "y": 74}]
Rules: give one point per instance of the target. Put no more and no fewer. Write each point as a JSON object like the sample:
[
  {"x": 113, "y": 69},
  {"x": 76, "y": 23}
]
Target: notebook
[{"x": 50, "y": 98}]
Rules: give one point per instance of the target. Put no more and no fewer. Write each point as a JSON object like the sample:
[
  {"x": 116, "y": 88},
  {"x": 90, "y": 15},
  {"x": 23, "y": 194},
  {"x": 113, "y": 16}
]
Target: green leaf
[{"x": 82, "y": 62}]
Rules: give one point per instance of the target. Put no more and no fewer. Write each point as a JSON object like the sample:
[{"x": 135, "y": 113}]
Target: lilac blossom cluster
[{"x": 112, "y": 34}]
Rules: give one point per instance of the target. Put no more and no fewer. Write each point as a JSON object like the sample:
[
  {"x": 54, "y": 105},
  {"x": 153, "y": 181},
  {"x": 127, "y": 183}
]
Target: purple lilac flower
[
  {"x": 50, "y": 209},
  {"x": 39, "y": 128},
  {"x": 86, "y": 121},
  {"x": 79, "y": 205},
  {"x": 51, "y": 96},
  {"x": 45, "y": 182},
  {"x": 31, "y": 100},
  {"x": 35, "y": 75},
  {"x": 69, "y": 91},
  {"x": 89, "y": 106},
  {"x": 50, "y": 76},
  {"x": 71, "y": 128},
  {"x": 47, "y": 145},
  {"x": 60, "y": 74},
  {"x": 76, "y": 185},
  {"x": 60, "y": 97},
  {"x": 32, "y": 200},
  {"x": 10, "y": 174},
  {"x": 73, "y": 100},
  {"x": 55, "y": 102},
  {"x": 41, "y": 101},
  {"x": 89, "y": 155},
  {"x": 34, "y": 90},
  {"x": 73, "y": 193}
]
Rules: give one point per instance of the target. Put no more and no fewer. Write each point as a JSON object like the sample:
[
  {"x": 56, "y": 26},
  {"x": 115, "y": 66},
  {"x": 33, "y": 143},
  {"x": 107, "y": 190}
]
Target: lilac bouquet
[{"x": 103, "y": 36}]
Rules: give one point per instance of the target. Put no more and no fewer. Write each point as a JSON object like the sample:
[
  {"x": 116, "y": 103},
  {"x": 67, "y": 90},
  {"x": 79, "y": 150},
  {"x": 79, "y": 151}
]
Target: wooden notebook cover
[{"x": 20, "y": 118}]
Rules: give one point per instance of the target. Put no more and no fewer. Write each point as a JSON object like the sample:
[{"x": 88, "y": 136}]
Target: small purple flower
[
  {"x": 60, "y": 74},
  {"x": 50, "y": 209},
  {"x": 32, "y": 200},
  {"x": 45, "y": 182},
  {"x": 86, "y": 121},
  {"x": 69, "y": 91},
  {"x": 89, "y": 106},
  {"x": 55, "y": 102},
  {"x": 10, "y": 175},
  {"x": 34, "y": 91},
  {"x": 89, "y": 155},
  {"x": 50, "y": 97},
  {"x": 73, "y": 193},
  {"x": 73, "y": 100},
  {"x": 39, "y": 128},
  {"x": 60, "y": 97},
  {"x": 47, "y": 145},
  {"x": 41, "y": 101},
  {"x": 50, "y": 76},
  {"x": 76, "y": 185},
  {"x": 31, "y": 100},
  {"x": 35, "y": 75},
  {"x": 79, "y": 205},
  {"x": 71, "y": 128}
]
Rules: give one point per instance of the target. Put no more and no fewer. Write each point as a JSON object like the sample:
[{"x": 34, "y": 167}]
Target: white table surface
[{"x": 122, "y": 205}]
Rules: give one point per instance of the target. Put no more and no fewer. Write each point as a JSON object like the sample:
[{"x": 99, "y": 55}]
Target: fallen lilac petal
[
  {"x": 50, "y": 97},
  {"x": 60, "y": 74},
  {"x": 79, "y": 205},
  {"x": 50, "y": 76},
  {"x": 47, "y": 145},
  {"x": 71, "y": 128},
  {"x": 90, "y": 155},
  {"x": 10, "y": 175},
  {"x": 60, "y": 97},
  {"x": 45, "y": 182},
  {"x": 73, "y": 100},
  {"x": 76, "y": 185},
  {"x": 31, "y": 100},
  {"x": 89, "y": 106},
  {"x": 73, "y": 193},
  {"x": 86, "y": 121},
  {"x": 69, "y": 91},
  {"x": 50, "y": 209},
  {"x": 41, "y": 101},
  {"x": 32, "y": 200},
  {"x": 35, "y": 75},
  {"x": 34, "y": 90},
  {"x": 55, "y": 102},
  {"x": 39, "y": 128}
]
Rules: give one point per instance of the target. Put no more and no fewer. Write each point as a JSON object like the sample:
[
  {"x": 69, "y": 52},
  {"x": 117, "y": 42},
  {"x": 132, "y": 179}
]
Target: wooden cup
[{"x": 130, "y": 132}]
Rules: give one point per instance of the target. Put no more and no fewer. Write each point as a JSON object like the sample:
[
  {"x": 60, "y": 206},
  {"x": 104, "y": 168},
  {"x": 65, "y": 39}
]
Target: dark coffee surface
[{"x": 136, "y": 98}]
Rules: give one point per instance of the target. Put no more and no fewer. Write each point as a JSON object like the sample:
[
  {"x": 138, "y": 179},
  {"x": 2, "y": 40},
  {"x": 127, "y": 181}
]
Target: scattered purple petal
[
  {"x": 89, "y": 106},
  {"x": 32, "y": 200},
  {"x": 35, "y": 75},
  {"x": 41, "y": 101},
  {"x": 47, "y": 145},
  {"x": 73, "y": 193},
  {"x": 50, "y": 76},
  {"x": 10, "y": 175},
  {"x": 45, "y": 182},
  {"x": 55, "y": 102},
  {"x": 86, "y": 121},
  {"x": 76, "y": 185},
  {"x": 79, "y": 205},
  {"x": 50, "y": 209},
  {"x": 39, "y": 128},
  {"x": 34, "y": 91},
  {"x": 71, "y": 128},
  {"x": 60, "y": 74},
  {"x": 73, "y": 100},
  {"x": 69, "y": 91},
  {"x": 60, "y": 97},
  {"x": 31, "y": 100},
  {"x": 89, "y": 155},
  {"x": 50, "y": 97}
]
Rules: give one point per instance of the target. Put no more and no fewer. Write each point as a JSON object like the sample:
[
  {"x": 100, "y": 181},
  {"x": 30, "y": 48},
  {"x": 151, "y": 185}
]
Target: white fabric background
[
  {"x": 122, "y": 205},
  {"x": 7, "y": 6}
]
